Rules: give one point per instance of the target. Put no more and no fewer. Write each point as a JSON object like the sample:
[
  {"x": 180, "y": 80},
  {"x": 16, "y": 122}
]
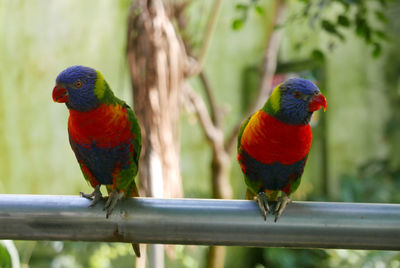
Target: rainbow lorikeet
[
  {"x": 104, "y": 134},
  {"x": 274, "y": 142}
]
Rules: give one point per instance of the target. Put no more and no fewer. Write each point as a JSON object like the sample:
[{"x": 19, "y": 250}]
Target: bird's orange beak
[
  {"x": 60, "y": 94},
  {"x": 316, "y": 103}
]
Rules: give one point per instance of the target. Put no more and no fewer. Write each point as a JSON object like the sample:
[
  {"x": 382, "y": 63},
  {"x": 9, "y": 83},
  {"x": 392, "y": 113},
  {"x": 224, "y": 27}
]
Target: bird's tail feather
[
  {"x": 249, "y": 195},
  {"x": 136, "y": 249}
]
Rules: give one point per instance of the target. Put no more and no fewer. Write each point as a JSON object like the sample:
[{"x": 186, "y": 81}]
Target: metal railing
[{"x": 201, "y": 222}]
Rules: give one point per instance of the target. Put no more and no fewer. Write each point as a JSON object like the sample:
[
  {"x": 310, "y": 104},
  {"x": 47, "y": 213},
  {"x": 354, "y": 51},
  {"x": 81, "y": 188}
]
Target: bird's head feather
[
  {"x": 294, "y": 101},
  {"x": 81, "y": 88}
]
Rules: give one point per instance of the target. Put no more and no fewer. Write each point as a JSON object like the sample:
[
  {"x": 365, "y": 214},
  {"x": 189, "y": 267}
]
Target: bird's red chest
[
  {"x": 269, "y": 140},
  {"x": 106, "y": 126}
]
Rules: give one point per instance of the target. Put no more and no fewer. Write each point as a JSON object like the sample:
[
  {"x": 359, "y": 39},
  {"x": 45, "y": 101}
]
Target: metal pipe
[{"x": 201, "y": 222}]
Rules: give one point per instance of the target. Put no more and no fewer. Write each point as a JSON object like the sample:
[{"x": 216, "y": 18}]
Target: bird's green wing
[
  {"x": 126, "y": 180},
  {"x": 135, "y": 127},
  {"x": 241, "y": 129}
]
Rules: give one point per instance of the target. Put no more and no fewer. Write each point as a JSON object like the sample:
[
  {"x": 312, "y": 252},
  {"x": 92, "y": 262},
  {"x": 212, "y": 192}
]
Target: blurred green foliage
[
  {"x": 360, "y": 16},
  {"x": 5, "y": 259},
  {"x": 363, "y": 186},
  {"x": 39, "y": 38}
]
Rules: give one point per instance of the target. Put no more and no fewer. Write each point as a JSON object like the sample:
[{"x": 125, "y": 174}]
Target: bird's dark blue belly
[
  {"x": 102, "y": 162},
  {"x": 270, "y": 176}
]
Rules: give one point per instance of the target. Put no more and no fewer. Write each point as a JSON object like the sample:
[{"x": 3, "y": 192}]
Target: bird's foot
[
  {"x": 262, "y": 201},
  {"x": 112, "y": 201},
  {"x": 283, "y": 201},
  {"x": 95, "y": 196}
]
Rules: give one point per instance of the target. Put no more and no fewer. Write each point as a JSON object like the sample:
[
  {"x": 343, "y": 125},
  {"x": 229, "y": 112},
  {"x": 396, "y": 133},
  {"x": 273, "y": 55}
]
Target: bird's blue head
[
  {"x": 79, "y": 87},
  {"x": 294, "y": 101}
]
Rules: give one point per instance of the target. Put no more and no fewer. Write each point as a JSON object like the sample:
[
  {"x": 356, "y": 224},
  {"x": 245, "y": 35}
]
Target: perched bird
[
  {"x": 104, "y": 134},
  {"x": 274, "y": 142}
]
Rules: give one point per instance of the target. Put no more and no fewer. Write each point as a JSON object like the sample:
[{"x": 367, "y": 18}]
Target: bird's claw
[
  {"x": 112, "y": 202},
  {"x": 283, "y": 201},
  {"x": 262, "y": 201},
  {"x": 95, "y": 196}
]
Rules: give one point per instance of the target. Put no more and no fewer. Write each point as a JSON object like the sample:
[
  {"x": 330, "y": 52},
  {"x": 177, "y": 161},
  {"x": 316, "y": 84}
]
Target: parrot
[
  {"x": 104, "y": 134},
  {"x": 274, "y": 142}
]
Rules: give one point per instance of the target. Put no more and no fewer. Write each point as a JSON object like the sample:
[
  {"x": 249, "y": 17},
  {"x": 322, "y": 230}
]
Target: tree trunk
[
  {"x": 216, "y": 257},
  {"x": 156, "y": 59}
]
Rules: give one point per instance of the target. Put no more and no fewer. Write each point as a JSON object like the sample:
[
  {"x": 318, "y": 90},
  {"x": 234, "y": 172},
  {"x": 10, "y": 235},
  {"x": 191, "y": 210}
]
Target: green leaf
[
  {"x": 377, "y": 51},
  {"x": 331, "y": 28},
  {"x": 328, "y": 26},
  {"x": 383, "y": 3},
  {"x": 237, "y": 24},
  {"x": 381, "y": 16},
  {"x": 382, "y": 35},
  {"x": 259, "y": 10},
  {"x": 363, "y": 29},
  {"x": 343, "y": 21},
  {"x": 346, "y": 5},
  {"x": 241, "y": 7},
  {"x": 318, "y": 55},
  {"x": 298, "y": 46}
]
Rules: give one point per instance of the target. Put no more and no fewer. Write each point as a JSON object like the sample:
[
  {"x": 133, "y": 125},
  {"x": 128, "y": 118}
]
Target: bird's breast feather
[
  {"x": 269, "y": 140},
  {"x": 106, "y": 126}
]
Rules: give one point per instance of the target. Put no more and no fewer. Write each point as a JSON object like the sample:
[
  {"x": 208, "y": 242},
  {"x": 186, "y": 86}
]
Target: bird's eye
[
  {"x": 78, "y": 84},
  {"x": 297, "y": 94}
]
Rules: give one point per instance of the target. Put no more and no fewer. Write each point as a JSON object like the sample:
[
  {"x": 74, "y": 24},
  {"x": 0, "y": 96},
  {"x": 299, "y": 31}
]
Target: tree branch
[
  {"x": 192, "y": 64},
  {"x": 231, "y": 140},
  {"x": 268, "y": 72},
  {"x": 195, "y": 69},
  {"x": 212, "y": 133},
  {"x": 270, "y": 59},
  {"x": 214, "y": 109}
]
